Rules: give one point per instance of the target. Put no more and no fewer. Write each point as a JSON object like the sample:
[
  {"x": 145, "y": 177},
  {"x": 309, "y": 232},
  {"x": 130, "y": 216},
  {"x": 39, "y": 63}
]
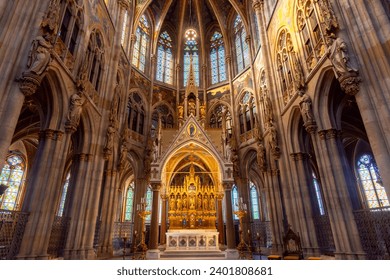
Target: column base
[
  {"x": 231, "y": 254},
  {"x": 153, "y": 254}
]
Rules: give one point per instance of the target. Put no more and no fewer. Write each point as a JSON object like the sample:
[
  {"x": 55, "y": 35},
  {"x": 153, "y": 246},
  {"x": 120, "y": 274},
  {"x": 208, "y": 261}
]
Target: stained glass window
[
  {"x": 371, "y": 182},
  {"x": 217, "y": 58},
  {"x": 235, "y": 201},
  {"x": 317, "y": 189},
  {"x": 129, "y": 202},
  {"x": 254, "y": 201},
  {"x": 12, "y": 176},
  {"x": 63, "y": 196},
  {"x": 191, "y": 51},
  {"x": 141, "y": 44},
  {"x": 242, "y": 48},
  {"x": 164, "y": 59},
  {"x": 149, "y": 202}
]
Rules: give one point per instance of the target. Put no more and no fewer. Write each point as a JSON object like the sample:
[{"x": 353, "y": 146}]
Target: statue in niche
[
  {"x": 228, "y": 152},
  {"x": 299, "y": 78},
  {"x": 306, "y": 109},
  {"x": 337, "y": 53},
  {"x": 110, "y": 139},
  {"x": 123, "y": 156},
  {"x": 191, "y": 107},
  {"x": 192, "y": 202},
  {"x": 199, "y": 202},
  {"x": 212, "y": 203},
  {"x": 179, "y": 204},
  {"x": 155, "y": 150},
  {"x": 39, "y": 57},
  {"x": 184, "y": 203},
  {"x": 261, "y": 160},
  {"x": 202, "y": 110},
  {"x": 205, "y": 203},
  {"x": 172, "y": 203},
  {"x": 180, "y": 111},
  {"x": 75, "y": 108}
]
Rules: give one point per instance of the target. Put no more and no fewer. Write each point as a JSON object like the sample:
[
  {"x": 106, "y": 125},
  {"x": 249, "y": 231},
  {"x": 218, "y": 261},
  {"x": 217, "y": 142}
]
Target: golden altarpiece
[{"x": 192, "y": 205}]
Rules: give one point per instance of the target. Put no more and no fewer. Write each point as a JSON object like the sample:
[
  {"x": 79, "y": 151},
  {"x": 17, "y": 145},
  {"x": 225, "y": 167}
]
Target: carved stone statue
[
  {"x": 228, "y": 152},
  {"x": 299, "y": 78},
  {"x": 202, "y": 111},
  {"x": 306, "y": 109},
  {"x": 39, "y": 57},
  {"x": 261, "y": 160},
  {"x": 123, "y": 156},
  {"x": 180, "y": 111},
  {"x": 155, "y": 151},
  {"x": 75, "y": 108},
  {"x": 110, "y": 139},
  {"x": 267, "y": 106},
  {"x": 337, "y": 53}
]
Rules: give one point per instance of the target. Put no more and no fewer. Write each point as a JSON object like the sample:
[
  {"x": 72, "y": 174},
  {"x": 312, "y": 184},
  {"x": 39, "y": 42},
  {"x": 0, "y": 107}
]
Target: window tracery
[
  {"x": 247, "y": 112},
  {"x": 217, "y": 58},
  {"x": 242, "y": 48},
  {"x": 371, "y": 182},
  {"x": 12, "y": 175},
  {"x": 254, "y": 201},
  {"x": 95, "y": 59},
  {"x": 135, "y": 113},
  {"x": 70, "y": 25},
  {"x": 129, "y": 203},
  {"x": 165, "y": 59},
  {"x": 191, "y": 51},
  {"x": 61, "y": 207},
  {"x": 141, "y": 44},
  {"x": 311, "y": 33}
]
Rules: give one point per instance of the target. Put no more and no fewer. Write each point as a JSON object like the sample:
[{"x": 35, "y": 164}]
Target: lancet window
[
  {"x": 311, "y": 33},
  {"x": 370, "y": 182},
  {"x": 12, "y": 176},
  {"x": 141, "y": 44},
  {"x": 165, "y": 59},
  {"x": 135, "y": 113},
  {"x": 242, "y": 48},
  {"x": 217, "y": 58}
]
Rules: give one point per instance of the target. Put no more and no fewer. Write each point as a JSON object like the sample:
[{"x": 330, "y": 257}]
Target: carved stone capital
[
  {"x": 350, "y": 82},
  {"x": 51, "y": 134},
  {"x": 300, "y": 156},
  {"x": 29, "y": 83},
  {"x": 156, "y": 187},
  {"x": 124, "y": 4}
]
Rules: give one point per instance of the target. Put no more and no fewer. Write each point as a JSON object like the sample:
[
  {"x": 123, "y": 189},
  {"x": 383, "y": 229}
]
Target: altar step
[{"x": 193, "y": 255}]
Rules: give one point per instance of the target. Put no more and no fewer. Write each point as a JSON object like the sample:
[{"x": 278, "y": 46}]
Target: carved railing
[
  {"x": 59, "y": 232},
  {"x": 261, "y": 234},
  {"x": 374, "y": 231},
  {"x": 12, "y": 225},
  {"x": 324, "y": 235},
  {"x": 121, "y": 230}
]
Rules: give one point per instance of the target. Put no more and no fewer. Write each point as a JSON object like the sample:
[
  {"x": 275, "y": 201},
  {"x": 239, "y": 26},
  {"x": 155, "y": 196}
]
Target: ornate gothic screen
[
  {"x": 217, "y": 59},
  {"x": 164, "y": 59}
]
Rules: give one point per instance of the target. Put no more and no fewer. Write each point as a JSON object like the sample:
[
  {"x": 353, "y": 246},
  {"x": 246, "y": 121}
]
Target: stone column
[
  {"x": 42, "y": 193},
  {"x": 221, "y": 228},
  {"x": 107, "y": 214},
  {"x": 154, "y": 252},
  {"x": 367, "y": 41},
  {"x": 84, "y": 200},
  {"x": 275, "y": 210},
  {"x": 231, "y": 251},
  {"x": 163, "y": 229},
  {"x": 302, "y": 220},
  {"x": 334, "y": 169}
]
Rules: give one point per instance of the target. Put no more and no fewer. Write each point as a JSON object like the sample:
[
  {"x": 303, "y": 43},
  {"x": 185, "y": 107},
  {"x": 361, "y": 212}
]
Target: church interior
[{"x": 195, "y": 129}]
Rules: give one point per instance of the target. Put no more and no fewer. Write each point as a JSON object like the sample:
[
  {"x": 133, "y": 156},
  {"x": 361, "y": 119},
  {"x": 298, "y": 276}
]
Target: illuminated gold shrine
[{"x": 192, "y": 205}]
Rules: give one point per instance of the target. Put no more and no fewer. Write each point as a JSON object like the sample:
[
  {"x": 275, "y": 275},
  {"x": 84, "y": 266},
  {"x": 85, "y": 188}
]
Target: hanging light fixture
[{"x": 190, "y": 33}]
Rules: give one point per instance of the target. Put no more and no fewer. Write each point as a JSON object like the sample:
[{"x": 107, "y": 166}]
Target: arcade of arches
[{"x": 132, "y": 125}]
